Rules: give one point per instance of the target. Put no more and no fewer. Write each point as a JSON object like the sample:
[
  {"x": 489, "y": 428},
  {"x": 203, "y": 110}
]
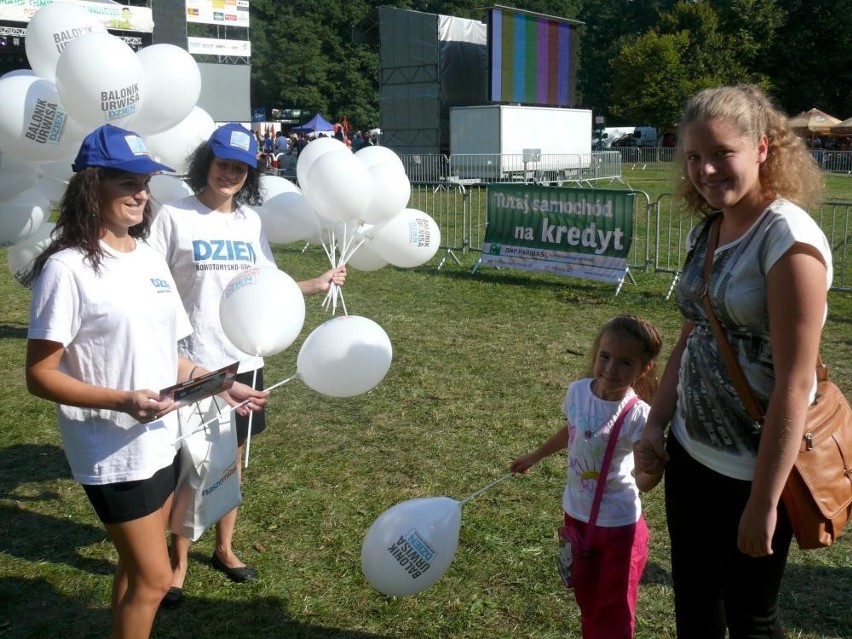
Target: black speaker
[{"x": 169, "y": 23}]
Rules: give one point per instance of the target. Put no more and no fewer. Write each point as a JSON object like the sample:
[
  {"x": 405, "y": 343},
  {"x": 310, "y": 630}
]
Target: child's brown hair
[{"x": 648, "y": 338}]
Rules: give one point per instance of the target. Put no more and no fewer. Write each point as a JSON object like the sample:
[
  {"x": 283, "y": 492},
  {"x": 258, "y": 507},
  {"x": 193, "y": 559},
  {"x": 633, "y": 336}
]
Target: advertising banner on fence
[
  {"x": 566, "y": 231},
  {"x": 113, "y": 15}
]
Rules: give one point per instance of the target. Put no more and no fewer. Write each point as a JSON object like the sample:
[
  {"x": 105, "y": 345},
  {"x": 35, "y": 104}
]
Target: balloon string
[
  {"x": 203, "y": 427},
  {"x": 482, "y": 490},
  {"x": 250, "y": 416}
]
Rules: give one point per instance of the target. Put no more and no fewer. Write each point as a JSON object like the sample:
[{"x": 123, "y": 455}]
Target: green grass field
[{"x": 480, "y": 365}]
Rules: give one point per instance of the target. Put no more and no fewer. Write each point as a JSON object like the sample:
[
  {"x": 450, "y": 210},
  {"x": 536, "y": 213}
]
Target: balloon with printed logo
[
  {"x": 262, "y": 311},
  {"x": 390, "y": 193},
  {"x": 21, "y": 215},
  {"x": 34, "y": 125},
  {"x": 172, "y": 82},
  {"x": 100, "y": 81},
  {"x": 173, "y": 147},
  {"x": 410, "y": 239},
  {"x": 338, "y": 186},
  {"x": 289, "y": 217},
  {"x": 411, "y": 545},
  {"x": 345, "y": 356},
  {"x": 20, "y": 256},
  {"x": 51, "y": 29},
  {"x": 312, "y": 152},
  {"x": 16, "y": 176}
]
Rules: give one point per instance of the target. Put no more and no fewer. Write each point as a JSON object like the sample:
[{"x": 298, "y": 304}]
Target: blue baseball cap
[
  {"x": 112, "y": 147},
  {"x": 233, "y": 141}
]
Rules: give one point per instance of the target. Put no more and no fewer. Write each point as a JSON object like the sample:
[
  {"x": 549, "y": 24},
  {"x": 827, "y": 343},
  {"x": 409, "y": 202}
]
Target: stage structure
[
  {"x": 427, "y": 63},
  {"x": 430, "y": 63}
]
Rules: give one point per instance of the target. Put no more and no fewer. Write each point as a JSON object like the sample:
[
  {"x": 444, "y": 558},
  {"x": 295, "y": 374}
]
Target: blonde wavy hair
[{"x": 789, "y": 171}]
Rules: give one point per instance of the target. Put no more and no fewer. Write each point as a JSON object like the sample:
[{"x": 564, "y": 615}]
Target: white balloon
[
  {"x": 372, "y": 155},
  {"x": 20, "y": 256},
  {"x": 410, "y": 239},
  {"x": 272, "y": 185},
  {"x": 365, "y": 258},
  {"x": 390, "y": 194},
  {"x": 22, "y": 215},
  {"x": 51, "y": 29},
  {"x": 262, "y": 311},
  {"x": 172, "y": 83},
  {"x": 34, "y": 125},
  {"x": 100, "y": 81},
  {"x": 312, "y": 152},
  {"x": 345, "y": 356},
  {"x": 411, "y": 545},
  {"x": 338, "y": 186},
  {"x": 52, "y": 188},
  {"x": 172, "y": 147},
  {"x": 16, "y": 177},
  {"x": 289, "y": 217},
  {"x": 14, "y": 72},
  {"x": 167, "y": 188}
]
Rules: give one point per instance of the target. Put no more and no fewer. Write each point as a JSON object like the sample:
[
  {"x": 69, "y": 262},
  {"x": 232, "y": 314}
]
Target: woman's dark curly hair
[
  {"x": 199, "y": 168},
  {"x": 79, "y": 223}
]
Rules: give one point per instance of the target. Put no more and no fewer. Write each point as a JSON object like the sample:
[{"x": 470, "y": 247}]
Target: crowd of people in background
[{"x": 272, "y": 145}]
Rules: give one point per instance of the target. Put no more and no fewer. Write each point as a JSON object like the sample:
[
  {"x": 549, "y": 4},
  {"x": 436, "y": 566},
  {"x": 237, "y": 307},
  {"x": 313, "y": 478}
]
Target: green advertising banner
[{"x": 567, "y": 231}]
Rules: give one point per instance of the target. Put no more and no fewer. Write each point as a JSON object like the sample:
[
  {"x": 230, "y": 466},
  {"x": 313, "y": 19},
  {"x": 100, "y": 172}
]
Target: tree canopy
[{"x": 638, "y": 59}]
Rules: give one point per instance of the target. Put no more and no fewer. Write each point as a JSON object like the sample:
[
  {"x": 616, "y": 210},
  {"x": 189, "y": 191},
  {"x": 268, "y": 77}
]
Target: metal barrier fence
[{"x": 459, "y": 207}]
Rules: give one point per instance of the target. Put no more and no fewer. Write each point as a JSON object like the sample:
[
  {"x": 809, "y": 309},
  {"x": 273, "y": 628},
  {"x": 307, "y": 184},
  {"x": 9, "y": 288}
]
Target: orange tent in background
[{"x": 813, "y": 122}]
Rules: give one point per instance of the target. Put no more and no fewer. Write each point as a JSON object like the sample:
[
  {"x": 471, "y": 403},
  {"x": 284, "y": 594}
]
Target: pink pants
[{"x": 607, "y": 584}]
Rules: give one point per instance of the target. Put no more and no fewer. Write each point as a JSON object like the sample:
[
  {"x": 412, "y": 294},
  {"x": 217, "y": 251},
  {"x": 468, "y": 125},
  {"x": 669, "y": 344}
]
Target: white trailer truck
[{"x": 516, "y": 142}]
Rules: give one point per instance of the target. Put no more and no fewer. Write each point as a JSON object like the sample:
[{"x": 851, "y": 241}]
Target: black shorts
[
  {"x": 258, "y": 418},
  {"x": 129, "y": 500}
]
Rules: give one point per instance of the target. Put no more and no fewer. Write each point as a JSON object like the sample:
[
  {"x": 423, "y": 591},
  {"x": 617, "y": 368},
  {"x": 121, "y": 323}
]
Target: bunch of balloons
[
  {"x": 83, "y": 77},
  {"x": 354, "y": 205}
]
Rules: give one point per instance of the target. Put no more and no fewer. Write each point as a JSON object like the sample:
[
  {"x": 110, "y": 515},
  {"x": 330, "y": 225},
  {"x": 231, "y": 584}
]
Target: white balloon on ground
[
  {"x": 20, "y": 256},
  {"x": 173, "y": 147},
  {"x": 167, "y": 188},
  {"x": 272, "y": 185},
  {"x": 391, "y": 192},
  {"x": 172, "y": 82},
  {"x": 100, "y": 81},
  {"x": 410, "y": 239},
  {"x": 262, "y": 311},
  {"x": 34, "y": 124},
  {"x": 338, "y": 186},
  {"x": 312, "y": 152},
  {"x": 345, "y": 356},
  {"x": 22, "y": 215},
  {"x": 372, "y": 155},
  {"x": 51, "y": 29},
  {"x": 411, "y": 545},
  {"x": 15, "y": 176},
  {"x": 289, "y": 217}
]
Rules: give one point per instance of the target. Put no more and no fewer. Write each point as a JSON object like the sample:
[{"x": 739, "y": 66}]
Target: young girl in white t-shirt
[{"x": 623, "y": 366}]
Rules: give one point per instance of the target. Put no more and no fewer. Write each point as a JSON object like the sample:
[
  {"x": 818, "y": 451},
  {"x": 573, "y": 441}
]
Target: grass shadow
[{"x": 22, "y": 464}]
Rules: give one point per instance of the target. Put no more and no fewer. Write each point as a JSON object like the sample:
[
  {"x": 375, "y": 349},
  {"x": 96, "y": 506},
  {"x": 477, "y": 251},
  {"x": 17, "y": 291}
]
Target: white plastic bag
[{"x": 209, "y": 483}]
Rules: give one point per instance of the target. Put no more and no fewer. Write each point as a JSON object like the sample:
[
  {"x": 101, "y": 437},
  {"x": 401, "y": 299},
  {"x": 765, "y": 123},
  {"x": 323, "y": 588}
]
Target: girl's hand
[
  {"x": 646, "y": 458},
  {"x": 523, "y": 464},
  {"x": 238, "y": 393},
  {"x": 145, "y": 406},
  {"x": 757, "y": 525}
]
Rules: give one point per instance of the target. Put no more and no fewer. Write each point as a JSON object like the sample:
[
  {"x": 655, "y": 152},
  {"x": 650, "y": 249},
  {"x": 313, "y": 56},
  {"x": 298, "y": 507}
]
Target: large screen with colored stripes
[{"x": 531, "y": 58}]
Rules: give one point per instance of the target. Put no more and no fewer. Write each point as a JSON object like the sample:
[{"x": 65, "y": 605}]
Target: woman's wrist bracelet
[{"x": 194, "y": 368}]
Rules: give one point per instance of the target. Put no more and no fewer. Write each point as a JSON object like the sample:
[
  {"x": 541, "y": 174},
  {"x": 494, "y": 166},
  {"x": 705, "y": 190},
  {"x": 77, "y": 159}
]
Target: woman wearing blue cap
[
  {"x": 208, "y": 238},
  {"x": 105, "y": 320}
]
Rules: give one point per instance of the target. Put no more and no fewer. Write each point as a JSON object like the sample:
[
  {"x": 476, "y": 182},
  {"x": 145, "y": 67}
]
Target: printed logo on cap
[
  {"x": 136, "y": 145},
  {"x": 239, "y": 140}
]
